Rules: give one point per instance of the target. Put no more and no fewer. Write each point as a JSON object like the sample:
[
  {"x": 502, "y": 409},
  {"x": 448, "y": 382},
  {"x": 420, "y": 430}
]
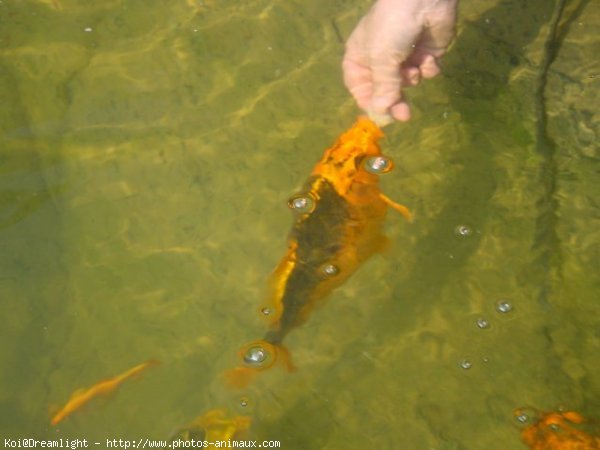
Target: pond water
[{"x": 148, "y": 151}]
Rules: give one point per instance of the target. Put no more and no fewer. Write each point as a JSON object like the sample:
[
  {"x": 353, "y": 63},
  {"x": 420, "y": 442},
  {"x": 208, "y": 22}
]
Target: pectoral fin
[{"x": 397, "y": 206}]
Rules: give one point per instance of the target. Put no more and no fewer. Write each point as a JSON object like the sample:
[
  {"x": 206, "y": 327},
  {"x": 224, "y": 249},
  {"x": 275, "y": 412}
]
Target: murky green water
[{"x": 148, "y": 149}]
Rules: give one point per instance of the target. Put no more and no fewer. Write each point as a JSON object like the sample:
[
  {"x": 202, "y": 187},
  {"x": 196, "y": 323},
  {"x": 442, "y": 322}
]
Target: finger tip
[
  {"x": 401, "y": 112},
  {"x": 429, "y": 68},
  {"x": 430, "y": 73}
]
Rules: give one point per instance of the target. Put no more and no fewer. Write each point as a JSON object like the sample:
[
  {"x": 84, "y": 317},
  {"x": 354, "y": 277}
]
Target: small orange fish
[
  {"x": 82, "y": 396},
  {"x": 214, "y": 426},
  {"x": 558, "y": 431},
  {"x": 338, "y": 225}
]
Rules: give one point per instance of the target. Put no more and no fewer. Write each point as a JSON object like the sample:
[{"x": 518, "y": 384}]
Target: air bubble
[
  {"x": 503, "y": 306},
  {"x": 255, "y": 356},
  {"x": 378, "y": 164},
  {"x": 482, "y": 323},
  {"x": 463, "y": 231},
  {"x": 465, "y": 364},
  {"x": 302, "y": 203},
  {"x": 522, "y": 418},
  {"x": 330, "y": 270},
  {"x": 525, "y": 416}
]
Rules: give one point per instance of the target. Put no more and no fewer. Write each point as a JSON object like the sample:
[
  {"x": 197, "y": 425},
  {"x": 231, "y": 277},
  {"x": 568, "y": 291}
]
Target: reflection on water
[{"x": 147, "y": 155}]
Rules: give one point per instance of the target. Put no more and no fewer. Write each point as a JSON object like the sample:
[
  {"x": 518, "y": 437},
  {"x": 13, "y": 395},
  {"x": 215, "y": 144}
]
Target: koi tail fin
[{"x": 257, "y": 357}]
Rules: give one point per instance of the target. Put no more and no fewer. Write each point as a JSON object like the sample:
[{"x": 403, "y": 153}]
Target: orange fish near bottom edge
[
  {"x": 213, "y": 427},
  {"x": 82, "y": 396},
  {"x": 559, "y": 431}
]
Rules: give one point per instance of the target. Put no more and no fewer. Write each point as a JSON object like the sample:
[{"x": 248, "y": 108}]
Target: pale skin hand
[{"x": 395, "y": 45}]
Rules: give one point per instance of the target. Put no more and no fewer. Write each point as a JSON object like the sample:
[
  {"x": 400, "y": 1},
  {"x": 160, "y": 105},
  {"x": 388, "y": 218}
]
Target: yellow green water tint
[{"x": 148, "y": 152}]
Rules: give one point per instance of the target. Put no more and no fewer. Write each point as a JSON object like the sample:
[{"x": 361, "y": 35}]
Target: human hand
[{"x": 396, "y": 44}]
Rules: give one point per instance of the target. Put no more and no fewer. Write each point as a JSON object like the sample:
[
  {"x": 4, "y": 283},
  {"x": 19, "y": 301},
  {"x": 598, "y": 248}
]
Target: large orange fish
[
  {"x": 339, "y": 216},
  {"x": 82, "y": 396},
  {"x": 558, "y": 431}
]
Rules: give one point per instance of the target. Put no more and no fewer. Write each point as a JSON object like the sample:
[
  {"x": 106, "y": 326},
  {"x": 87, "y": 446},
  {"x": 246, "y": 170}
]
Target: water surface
[{"x": 148, "y": 149}]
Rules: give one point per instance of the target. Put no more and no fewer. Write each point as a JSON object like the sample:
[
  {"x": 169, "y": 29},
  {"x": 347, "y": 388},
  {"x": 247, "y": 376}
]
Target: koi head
[{"x": 355, "y": 157}]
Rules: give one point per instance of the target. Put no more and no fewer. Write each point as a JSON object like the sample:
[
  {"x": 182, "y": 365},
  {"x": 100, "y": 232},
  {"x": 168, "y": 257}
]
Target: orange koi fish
[
  {"x": 339, "y": 216},
  {"x": 82, "y": 396},
  {"x": 558, "y": 431},
  {"x": 214, "y": 426}
]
